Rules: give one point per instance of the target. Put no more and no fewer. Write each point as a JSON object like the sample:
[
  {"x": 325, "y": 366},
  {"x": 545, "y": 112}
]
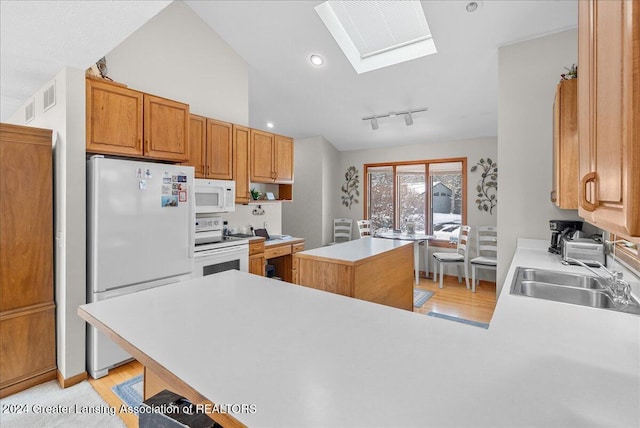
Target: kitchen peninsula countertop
[{"x": 307, "y": 358}]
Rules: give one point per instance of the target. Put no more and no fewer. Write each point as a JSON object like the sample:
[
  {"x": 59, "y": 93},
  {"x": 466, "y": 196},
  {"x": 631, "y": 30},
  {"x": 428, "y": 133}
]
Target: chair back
[
  {"x": 364, "y": 227},
  {"x": 487, "y": 241},
  {"x": 342, "y": 229},
  {"x": 463, "y": 241}
]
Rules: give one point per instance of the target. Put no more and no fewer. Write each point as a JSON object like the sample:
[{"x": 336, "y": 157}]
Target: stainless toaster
[{"x": 587, "y": 251}]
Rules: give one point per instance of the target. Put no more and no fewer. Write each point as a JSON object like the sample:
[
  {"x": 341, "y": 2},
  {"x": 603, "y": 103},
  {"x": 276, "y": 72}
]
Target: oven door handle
[{"x": 217, "y": 251}]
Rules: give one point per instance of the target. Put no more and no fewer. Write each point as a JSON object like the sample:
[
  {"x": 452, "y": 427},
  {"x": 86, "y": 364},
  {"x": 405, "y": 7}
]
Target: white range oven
[{"x": 214, "y": 252}]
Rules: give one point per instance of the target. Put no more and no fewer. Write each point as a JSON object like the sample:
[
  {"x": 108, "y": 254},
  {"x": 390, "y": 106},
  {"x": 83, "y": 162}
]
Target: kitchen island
[
  {"x": 372, "y": 269},
  {"x": 306, "y": 358}
]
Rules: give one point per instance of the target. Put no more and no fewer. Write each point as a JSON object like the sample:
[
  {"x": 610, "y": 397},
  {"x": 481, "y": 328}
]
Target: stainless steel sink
[
  {"x": 576, "y": 296},
  {"x": 570, "y": 288},
  {"x": 570, "y": 279}
]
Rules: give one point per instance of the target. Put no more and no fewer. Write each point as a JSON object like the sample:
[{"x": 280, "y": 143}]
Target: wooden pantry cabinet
[
  {"x": 271, "y": 158},
  {"x": 609, "y": 115},
  {"x": 27, "y": 308},
  {"x": 123, "y": 121},
  {"x": 564, "y": 193}
]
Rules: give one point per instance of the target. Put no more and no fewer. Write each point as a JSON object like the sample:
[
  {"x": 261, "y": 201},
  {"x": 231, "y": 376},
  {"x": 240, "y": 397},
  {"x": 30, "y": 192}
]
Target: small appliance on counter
[
  {"x": 561, "y": 229},
  {"x": 588, "y": 251}
]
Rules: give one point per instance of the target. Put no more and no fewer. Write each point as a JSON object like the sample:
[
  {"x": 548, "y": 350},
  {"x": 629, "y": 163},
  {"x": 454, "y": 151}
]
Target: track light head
[
  {"x": 408, "y": 119},
  {"x": 374, "y": 123}
]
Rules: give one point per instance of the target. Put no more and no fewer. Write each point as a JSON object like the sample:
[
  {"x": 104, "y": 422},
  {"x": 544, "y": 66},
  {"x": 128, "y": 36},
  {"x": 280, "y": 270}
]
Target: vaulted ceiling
[{"x": 458, "y": 84}]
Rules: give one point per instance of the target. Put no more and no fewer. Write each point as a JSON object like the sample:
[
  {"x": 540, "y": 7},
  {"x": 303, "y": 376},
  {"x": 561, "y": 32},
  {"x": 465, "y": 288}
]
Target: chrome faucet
[{"x": 619, "y": 288}]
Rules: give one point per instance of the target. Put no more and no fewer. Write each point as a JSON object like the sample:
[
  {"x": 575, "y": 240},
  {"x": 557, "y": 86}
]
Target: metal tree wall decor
[
  {"x": 350, "y": 187},
  {"x": 487, "y": 187}
]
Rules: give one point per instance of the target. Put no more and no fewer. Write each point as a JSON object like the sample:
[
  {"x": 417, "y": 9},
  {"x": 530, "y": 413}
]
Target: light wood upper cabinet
[
  {"x": 565, "y": 145},
  {"x": 241, "y": 160},
  {"x": 197, "y": 144},
  {"x": 219, "y": 164},
  {"x": 608, "y": 114},
  {"x": 283, "y": 159},
  {"x": 166, "y": 129},
  {"x": 114, "y": 119},
  {"x": 122, "y": 121},
  {"x": 262, "y": 148},
  {"x": 210, "y": 148},
  {"x": 271, "y": 158}
]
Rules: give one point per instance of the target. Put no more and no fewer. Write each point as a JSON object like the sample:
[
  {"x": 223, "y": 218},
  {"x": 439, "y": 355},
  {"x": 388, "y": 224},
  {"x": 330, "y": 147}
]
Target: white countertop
[
  {"x": 355, "y": 250},
  {"x": 307, "y": 358}
]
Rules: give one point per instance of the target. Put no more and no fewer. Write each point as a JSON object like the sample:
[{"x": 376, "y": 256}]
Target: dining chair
[
  {"x": 487, "y": 252},
  {"x": 341, "y": 230},
  {"x": 459, "y": 258},
  {"x": 364, "y": 227}
]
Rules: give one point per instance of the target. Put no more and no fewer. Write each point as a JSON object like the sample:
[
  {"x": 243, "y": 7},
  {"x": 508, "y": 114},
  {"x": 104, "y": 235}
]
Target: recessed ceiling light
[
  {"x": 269, "y": 124},
  {"x": 316, "y": 59},
  {"x": 472, "y": 6}
]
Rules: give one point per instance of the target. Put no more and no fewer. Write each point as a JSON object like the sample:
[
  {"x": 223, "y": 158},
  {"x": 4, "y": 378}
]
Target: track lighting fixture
[{"x": 408, "y": 116}]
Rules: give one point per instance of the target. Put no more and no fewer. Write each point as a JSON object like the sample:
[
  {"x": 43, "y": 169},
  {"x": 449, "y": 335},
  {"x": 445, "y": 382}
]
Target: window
[{"x": 431, "y": 194}]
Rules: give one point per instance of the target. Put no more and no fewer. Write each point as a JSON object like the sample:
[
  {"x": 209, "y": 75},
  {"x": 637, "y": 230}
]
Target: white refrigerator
[{"x": 140, "y": 232}]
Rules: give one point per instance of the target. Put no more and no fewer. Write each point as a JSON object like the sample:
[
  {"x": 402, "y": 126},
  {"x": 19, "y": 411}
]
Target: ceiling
[{"x": 458, "y": 85}]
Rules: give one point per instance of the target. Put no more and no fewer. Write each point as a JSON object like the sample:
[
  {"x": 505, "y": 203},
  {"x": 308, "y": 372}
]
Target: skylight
[{"x": 374, "y": 34}]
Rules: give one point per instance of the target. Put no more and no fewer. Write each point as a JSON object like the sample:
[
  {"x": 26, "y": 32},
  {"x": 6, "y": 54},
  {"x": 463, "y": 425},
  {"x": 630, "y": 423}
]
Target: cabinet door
[
  {"x": 114, "y": 119},
  {"x": 166, "y": 129},
  {"x": 26, "y": 217},
  {"x": 262, "y": 150},
  {"x": 219, "y": 163},
  {"x": 284, "y": 159},
  {"x": 256, "y": 264},
  {"x": 241, "y": 163},
  {"x": 609, "y": 102},
  {"x": 197, "y": 144},
  {"x": 565, "y": 146}
]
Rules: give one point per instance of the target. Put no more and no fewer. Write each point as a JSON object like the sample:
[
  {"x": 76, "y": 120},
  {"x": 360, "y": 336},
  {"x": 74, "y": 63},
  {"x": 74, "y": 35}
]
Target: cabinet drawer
[
  {"x": 271, "y": 253},
  {"x": 256, "y": 248},
  {"x": 297, "y": 247}
]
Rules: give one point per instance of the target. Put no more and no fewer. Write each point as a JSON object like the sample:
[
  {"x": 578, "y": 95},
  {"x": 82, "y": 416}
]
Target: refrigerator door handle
[{"x": 192, "y": 227}]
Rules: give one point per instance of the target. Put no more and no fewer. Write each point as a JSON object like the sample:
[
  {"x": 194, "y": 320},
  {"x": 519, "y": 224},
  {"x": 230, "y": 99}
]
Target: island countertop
[
  {"x": 355, "y": 250},
  {"x": 307, "y": 358}
]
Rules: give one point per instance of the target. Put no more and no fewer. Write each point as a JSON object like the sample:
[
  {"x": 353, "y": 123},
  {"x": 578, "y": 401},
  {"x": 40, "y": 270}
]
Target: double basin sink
[{"x": 571, "y": 288}]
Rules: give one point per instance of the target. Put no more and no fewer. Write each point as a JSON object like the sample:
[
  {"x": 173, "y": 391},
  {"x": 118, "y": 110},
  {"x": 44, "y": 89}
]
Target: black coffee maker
[{"x": 560, "y": 228}]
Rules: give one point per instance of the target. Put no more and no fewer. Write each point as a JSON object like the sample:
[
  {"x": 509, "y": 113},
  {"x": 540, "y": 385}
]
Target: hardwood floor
[
  {"x": 454, "y": 299},
  {"x": 116, "y": 376}
]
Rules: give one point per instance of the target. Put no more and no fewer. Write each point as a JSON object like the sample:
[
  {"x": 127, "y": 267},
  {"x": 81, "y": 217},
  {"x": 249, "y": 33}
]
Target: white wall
[
  {"x": 331, "y": 180},
  {"x": 472, "y": 149},
  {"x": 308, "y": 216},
  {"x": 176, "y": 55},
  {"x": 67, "y": 119},
  {"x": 528, "y": 74},
  {"x": 243, "y": 216}
]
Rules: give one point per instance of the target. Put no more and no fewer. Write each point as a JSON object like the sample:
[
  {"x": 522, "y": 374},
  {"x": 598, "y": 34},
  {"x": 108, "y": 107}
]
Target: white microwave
[{"x": 214, "y": 196}]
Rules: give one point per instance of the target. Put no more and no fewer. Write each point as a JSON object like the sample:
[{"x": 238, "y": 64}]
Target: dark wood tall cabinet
[{"x": 27, "y": 308}]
